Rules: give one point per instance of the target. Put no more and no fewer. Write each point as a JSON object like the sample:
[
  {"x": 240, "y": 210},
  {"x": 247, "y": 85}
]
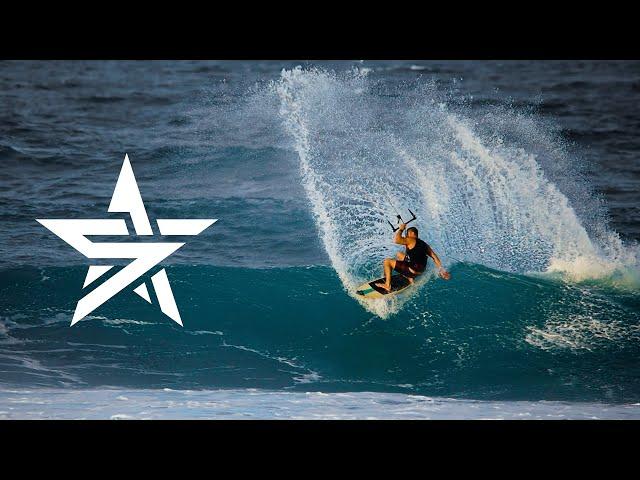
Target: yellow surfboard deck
[{"x": 370, "y": 290}]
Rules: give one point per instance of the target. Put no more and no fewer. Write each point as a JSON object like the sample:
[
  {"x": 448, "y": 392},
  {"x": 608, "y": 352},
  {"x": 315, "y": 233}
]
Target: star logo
[{"x": 144, "y": 255}]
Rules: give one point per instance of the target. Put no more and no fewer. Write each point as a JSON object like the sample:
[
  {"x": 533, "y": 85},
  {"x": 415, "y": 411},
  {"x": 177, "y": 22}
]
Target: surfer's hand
[
  {"x": 444, "y": 274},
  {"x": 402, "y": 226}
]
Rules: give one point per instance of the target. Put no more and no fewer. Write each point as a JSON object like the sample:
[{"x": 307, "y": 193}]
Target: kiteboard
[{"x": 371, "y": 290}]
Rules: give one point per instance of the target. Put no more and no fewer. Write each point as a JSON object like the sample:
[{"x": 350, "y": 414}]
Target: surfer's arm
[
  {"x": 435, "y": 258},
  {"x": 441, "y": 271},
  {"x": 398, "y": 238}
]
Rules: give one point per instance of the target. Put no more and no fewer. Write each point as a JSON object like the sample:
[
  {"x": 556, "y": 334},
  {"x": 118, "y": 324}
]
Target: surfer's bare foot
[
  {"x": 411, "y": 280},
  {"x": 384, "y": 286}
]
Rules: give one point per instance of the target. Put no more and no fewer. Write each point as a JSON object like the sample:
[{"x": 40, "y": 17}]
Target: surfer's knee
[{"x": 400, "y": 256}]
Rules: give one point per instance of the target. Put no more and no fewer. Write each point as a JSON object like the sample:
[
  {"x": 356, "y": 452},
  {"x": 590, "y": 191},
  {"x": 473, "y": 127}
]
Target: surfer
[{"x": 413, "y": 261}]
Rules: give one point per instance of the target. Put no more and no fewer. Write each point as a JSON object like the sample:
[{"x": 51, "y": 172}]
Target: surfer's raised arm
[{"x": 398, "y": 238}]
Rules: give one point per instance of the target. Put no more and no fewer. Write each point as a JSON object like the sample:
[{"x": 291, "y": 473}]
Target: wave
[
  {"x": 544, "y": 301},
  {"x": 495, "y": 188}
]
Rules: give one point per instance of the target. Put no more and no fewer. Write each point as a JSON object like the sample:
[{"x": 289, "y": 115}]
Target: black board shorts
[{"x": 404, "y": 267}]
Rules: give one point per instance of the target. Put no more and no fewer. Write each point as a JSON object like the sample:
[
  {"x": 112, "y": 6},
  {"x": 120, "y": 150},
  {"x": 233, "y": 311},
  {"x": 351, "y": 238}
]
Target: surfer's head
[{"x": 412, "y": 232}]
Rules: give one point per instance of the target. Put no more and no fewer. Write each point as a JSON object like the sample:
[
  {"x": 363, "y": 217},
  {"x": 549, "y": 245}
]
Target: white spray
[{"x": 366, "y": 154}]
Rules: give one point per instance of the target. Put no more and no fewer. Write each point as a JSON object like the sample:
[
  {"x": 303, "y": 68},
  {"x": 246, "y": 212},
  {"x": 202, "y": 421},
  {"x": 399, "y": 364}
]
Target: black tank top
[{"x": 417, "y": 256}]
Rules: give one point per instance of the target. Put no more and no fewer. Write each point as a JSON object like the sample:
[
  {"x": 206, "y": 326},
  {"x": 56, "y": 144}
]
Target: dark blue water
[{"x": 524, "y": 176}]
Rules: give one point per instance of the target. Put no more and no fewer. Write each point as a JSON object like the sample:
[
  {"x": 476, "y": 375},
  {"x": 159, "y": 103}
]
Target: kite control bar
[{"x": 413, "y": 217}]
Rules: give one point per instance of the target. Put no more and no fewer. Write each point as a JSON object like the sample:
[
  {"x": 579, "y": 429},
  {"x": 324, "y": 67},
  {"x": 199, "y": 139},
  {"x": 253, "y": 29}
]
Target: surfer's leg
[
  {"x": 412, "y": 278},
  {"x": 404, "y": 268},
  {"x": 388, "y": 265},
  {"x": 413, "y": 274},
  {"x": 400, "y": 256}
]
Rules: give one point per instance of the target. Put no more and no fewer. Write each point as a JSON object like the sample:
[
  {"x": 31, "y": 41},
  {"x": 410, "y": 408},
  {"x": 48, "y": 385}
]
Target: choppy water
[{"x": 524, "y": 176}]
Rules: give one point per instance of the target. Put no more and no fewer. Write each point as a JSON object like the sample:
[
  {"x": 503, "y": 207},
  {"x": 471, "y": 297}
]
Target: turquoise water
[{"x": 488, "y": 335}]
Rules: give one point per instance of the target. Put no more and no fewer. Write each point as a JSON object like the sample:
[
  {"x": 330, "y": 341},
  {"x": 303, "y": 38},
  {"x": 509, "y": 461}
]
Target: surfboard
[{"x": 370, "y": 290}]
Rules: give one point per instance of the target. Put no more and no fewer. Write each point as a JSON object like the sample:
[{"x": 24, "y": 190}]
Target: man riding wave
[{"x": 413, "y": 261}]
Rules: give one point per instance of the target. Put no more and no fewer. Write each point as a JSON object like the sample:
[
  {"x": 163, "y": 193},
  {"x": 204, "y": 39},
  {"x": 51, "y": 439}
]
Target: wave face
[
  {"x": 496, "y": 188},
  {"x": 489, "y": 335}
]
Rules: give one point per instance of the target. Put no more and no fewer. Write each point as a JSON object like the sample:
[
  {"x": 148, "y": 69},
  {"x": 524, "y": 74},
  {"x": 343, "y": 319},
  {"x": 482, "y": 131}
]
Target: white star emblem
[{"x": 145, "y": 255}]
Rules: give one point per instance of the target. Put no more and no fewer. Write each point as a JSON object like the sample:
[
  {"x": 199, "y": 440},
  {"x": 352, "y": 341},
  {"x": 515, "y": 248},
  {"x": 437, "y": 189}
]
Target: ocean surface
[{"x": 524, "y": 176}]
